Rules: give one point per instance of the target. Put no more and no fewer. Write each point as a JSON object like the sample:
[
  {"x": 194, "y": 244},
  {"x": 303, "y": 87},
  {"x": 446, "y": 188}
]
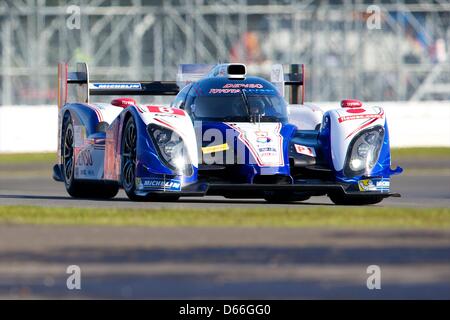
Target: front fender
[
  {"x": 339, "y": 129},
  {"x": 149, "y": 164}
]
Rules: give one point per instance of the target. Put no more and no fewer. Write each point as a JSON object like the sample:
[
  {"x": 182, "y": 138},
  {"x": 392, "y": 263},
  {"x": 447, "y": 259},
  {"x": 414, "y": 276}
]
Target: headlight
[
  {"x": 171, "y": 149},
  {"x": 356, "y": 164},
  {"x": 161, "y": 136},
  {"x": 363, "y": 152},
  {"x": 363, "y": 149}
]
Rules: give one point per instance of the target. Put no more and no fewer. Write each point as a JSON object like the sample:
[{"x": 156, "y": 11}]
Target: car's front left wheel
[{"x": 129, "y": 161}]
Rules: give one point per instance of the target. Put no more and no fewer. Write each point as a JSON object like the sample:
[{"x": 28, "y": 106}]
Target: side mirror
[{"x": 193, "y": 109}]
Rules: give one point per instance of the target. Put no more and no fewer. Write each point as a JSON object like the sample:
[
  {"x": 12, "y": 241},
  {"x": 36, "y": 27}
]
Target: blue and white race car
[{"x": 225, "y": 133}]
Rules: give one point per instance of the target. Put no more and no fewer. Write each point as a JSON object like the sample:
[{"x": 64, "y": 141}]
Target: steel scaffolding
[{"x": 345, "y": 53}]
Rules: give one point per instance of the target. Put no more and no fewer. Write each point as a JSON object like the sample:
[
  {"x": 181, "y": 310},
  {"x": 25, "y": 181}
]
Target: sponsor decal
[
  {"x": 267, "y": 154},
  {"x": 79, "y": 136},
  {"x": 232, "y": 90},
  {"x": 166, "y": 111},
  {"x": 158, "y": 184},
  {"x": 243, "y": 86},
  {"x": 260, "y": 91},
  {"x": 123, "y": 102},
  {"x": 383, "y": 184},
  {"x": 374, "y": 185},
  {"x": 350, "y": 103},
  {"x": 214, "y": 91},
  {"x": 122, "y": 86},
  {"x": 85, "y": 173},
  {"x": 263, "y": 139},
  {"x": 217, "y": 148},
  {"x": 360, "y": 116},
  {"x": 267, "y": 149},
  {"x": 89, "y": 163},
  {"x": 308, "y": 151},
  {"x": 366, "y": 185},
  {"x": 85, "y": 158},
  {"x": 266, "y": 135}
]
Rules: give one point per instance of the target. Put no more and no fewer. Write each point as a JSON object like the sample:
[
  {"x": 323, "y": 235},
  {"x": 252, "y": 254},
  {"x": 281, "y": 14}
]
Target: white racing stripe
[{"x": 263, "y": 140}]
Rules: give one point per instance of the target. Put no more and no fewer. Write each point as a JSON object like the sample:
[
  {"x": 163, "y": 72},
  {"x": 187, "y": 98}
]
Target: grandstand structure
[{"x": 372, "y": 50}]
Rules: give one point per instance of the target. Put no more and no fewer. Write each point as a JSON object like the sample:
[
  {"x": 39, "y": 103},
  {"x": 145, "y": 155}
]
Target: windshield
[{"x": 269, "y": 108}]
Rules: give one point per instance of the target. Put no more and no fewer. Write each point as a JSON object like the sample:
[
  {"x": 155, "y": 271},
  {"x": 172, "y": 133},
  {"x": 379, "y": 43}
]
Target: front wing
[{"x": 247, "y": 190}]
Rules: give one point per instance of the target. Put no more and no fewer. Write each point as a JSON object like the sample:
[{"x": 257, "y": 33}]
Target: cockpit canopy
[{"x": 223, "y": 99}]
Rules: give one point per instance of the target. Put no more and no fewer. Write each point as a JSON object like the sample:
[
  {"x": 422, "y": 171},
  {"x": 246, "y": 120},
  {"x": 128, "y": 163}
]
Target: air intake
[{"x": 236, "y": 71}]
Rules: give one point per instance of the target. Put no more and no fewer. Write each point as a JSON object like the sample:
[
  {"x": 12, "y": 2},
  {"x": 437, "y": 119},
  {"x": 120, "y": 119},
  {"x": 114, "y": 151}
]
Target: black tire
[
  {"x": 346, "y": 200},
  {"x": 129, "y": 143},
  {"x": 286, "y": 197},
  {"x": 129, "y": 156},
  {"x": 79, "y": 188}
]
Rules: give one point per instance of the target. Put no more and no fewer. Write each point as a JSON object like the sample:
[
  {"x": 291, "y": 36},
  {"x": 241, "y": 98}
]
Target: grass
[
  {"x": 317, "y": 217},
  {"x": 25, "y": 158},
  {"x": 420, "y": 152}
]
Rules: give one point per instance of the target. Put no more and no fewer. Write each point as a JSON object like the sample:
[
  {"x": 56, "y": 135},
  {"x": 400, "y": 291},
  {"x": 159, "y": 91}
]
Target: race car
[{"x": 225, "y": 133}]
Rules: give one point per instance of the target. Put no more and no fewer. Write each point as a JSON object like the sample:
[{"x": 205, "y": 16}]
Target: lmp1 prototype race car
[{"x": 225, "y": 133}]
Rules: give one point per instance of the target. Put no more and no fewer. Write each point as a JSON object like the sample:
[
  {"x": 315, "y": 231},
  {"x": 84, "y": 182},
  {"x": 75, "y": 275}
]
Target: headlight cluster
[
  {"x": 363, "y": 152},
  {"x": 171, "y": 149}
]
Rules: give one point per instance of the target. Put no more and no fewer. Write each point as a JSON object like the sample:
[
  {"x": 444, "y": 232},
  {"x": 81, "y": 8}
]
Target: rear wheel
[
  {"x": 286, "y": 197},
  {"x": 348, "y": 200},
  {"x": 78, "y": 188}
]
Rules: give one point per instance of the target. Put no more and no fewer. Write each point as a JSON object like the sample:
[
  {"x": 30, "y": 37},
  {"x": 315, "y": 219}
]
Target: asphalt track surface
[
  {"x": 138, "y": 262},
  {"x": 427, "y": 187}
]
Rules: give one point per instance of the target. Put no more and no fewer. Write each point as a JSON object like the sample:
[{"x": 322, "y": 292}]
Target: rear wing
[
  {"x": 291, "y": 76},
  {"x": 86, "y": 87},
  {"x": 188, "y": 73}
]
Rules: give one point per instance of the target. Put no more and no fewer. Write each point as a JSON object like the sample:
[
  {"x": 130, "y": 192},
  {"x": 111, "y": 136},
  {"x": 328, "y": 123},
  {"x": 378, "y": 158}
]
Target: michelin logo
[
  {"x": 383, "y": 184},
  {"x": 123, "y": 86},
  {"x": 159, "y": 185}
]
